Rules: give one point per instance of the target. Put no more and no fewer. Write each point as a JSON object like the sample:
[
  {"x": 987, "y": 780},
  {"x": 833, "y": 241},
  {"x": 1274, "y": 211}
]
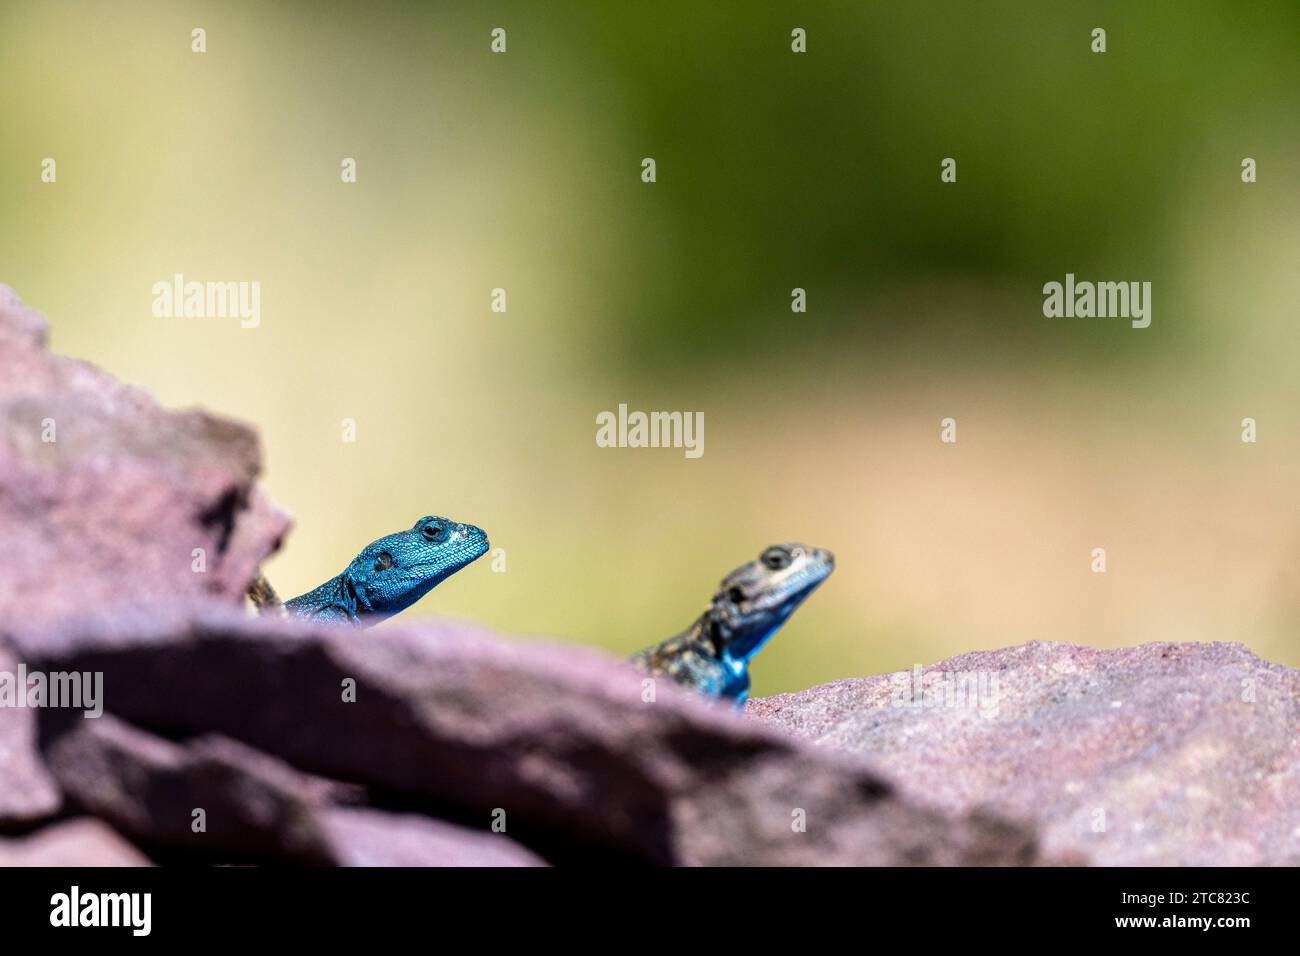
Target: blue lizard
[
  {"x": 712, "y": 656},
  {"x": 388, "y": 576}
]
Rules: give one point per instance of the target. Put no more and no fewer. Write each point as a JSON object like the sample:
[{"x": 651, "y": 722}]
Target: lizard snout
[{"x": 468, "y": 532}]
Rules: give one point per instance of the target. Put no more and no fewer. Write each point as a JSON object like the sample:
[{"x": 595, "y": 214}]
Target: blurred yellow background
[{"x": 775, "y": 170}]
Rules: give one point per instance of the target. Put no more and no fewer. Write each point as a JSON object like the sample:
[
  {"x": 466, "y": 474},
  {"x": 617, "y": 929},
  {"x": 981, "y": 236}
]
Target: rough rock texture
[
  {"x": 116, "y": 493},
  {"x": 253, "y": 806},
  {"x": 558, "y": 739},
  {"x": 1163, "y": 754},
  {"x": 149, "y": 788},
  {"x": 71, "y": 843}
]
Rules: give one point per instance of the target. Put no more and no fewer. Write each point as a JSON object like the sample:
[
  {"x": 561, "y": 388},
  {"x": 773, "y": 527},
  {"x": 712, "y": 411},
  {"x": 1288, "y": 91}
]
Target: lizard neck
[
  {"x": 333, "y": 600},
  {"x": 710, "y": 635}
]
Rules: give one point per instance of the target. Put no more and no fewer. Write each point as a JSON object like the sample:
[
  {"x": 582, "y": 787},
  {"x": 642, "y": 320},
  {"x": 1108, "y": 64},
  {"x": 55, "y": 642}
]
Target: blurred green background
[{"x": 775, "y": 171}]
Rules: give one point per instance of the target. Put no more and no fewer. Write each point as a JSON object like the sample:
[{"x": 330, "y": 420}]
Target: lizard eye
[
  {"x": 776, "y": 558},
  {"x": 432, "y": 531},
  {"x": 736, "y": 596},
  {"x": 384, "y": 561}
]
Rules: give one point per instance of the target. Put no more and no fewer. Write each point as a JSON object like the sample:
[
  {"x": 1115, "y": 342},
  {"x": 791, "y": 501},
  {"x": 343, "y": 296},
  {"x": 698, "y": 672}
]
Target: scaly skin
[
  {"x": 712, "y": 656},
  {"x": 387, "y": 577}
]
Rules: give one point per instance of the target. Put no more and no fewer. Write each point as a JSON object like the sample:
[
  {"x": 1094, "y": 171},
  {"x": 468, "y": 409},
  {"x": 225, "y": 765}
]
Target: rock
[
  {"x": 104, "y": 498},
  {"x": 249, "y": 805},
  {"x": 254, "y": 807},
  {"x": 20, "y": 327},
  {"x": 364, "y": 837},
  {"x": 558, "y": 738},
  {"x": 27, "y": 791},
  {"x": 107, "y": 498},
  {"x": 1163, "y": 754},
  {"x": 79, "y": 842}
]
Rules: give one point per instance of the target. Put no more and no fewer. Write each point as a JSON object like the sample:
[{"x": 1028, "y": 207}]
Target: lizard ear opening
[{"x": 384, "y": 561}]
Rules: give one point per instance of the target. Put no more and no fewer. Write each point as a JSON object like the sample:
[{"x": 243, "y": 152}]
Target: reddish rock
[
  {"x": 79, "y": 842},
  {"x": 363, "y": 837},
  {"x": 27, "y": 791},
  {"x": 105, "y": 497},
  {"x": 559, "y": 738},
  {"x": 253, "y": 807},
  {"x": 215, "y": 796},
  {"x": 20, "y": 327},
  {"x": 1163, "y": 754}
]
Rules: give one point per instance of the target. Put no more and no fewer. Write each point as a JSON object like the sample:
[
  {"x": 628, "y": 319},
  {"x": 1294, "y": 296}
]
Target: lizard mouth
[
  {"x": 799, "y": 585},
  {"x": 462, "y": 548}
]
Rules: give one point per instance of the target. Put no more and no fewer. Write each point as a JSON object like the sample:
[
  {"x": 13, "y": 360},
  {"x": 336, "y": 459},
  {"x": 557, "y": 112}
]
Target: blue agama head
[
  {"x": 754, "y": 600},
  {"x": 391, "y": 574}
]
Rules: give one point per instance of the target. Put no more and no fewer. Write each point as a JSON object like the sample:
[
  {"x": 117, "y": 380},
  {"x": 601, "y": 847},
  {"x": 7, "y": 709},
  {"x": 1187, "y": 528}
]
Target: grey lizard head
[
  {"x": 391, "y": 574},
  {"x": 754, "y": 600}
]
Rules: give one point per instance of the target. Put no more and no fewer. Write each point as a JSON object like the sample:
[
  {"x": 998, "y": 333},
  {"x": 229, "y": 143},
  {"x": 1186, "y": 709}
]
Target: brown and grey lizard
[{"x": 712, "y": 656}]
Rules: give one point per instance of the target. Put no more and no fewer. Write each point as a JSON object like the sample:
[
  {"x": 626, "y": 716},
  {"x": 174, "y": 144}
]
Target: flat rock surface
[{"x": 1163, "y": 754}]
